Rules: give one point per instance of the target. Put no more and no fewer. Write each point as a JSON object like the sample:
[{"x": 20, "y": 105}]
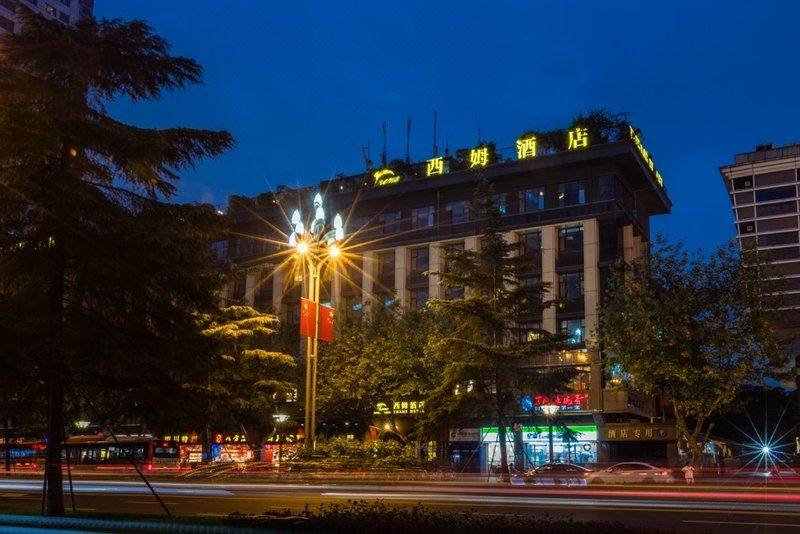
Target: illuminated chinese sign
[
  {"x": 181, "y": 438},
  {"x": 526, "y": 147},
  {"x": 435, "y": 166},
  {"x": 410, "y": 407},
  {"x": 386, "y": 177},
  {"x": 479, "y": 157},
  {"x": 566, "y": 401},
  {"x": 645, "y": 155},
  {"x": 638, "y": 431},
  {"x": 578, "y": 138},
  {"x": 230, "y": 438}
]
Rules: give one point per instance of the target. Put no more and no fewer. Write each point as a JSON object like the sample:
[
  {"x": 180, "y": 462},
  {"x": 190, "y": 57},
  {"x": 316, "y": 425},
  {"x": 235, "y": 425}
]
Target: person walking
[{"x": 688, "y": 473}]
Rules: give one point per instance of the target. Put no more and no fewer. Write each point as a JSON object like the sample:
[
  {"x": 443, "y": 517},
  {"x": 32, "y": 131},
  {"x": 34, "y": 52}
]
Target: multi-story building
[
  {"x": 66, "y": 11},
  {"x": 762, "y": 186},
  {"x": 580, "y": 209}
]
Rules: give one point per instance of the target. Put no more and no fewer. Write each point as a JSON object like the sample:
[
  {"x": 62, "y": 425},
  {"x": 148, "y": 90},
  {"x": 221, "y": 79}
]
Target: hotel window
[
  {"x": 422, "y": 217},
  {"x": 220, "y": 249},
  {"x": 500, "y": 202},
  {"x": 386, "y": 264},
  {"x": 419, "y": 260},
  {"x": 531, "y": 242},
  {"x": 775, "y": 240},
  {"x": 531, "y": 332},
  {"x": 456, "y": 212},
  {"x": 572, "y": 193},
  {"x": 570, "y": 238},
  {"x": 531, "y": 199},
  {"x": 574, "y": 329},
  {"x": 418, "y": 299},
  {"x": 50, "y": 10},
  {"x": 570, "y": 286},
  {"x": 390, "y": 221},
  {"x": 606, "y": 185},
  {"x": 777, "y": 193}
]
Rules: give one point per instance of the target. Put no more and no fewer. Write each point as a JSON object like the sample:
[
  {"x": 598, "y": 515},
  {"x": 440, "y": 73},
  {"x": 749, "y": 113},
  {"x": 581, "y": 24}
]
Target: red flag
[
  {"x": 308, "y": 317},
  {"x": 326, "y": 323}
]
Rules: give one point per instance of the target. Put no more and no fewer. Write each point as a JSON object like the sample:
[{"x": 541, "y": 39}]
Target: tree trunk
[{"x": 501, "y": 434}]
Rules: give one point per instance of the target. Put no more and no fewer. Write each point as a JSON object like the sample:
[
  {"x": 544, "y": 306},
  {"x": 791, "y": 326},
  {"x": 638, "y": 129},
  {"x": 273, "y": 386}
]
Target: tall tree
[
  {"x": 72, "y": 181},
  {"x": 485, "y": 357},
  {"x": 693, "y": 329}
]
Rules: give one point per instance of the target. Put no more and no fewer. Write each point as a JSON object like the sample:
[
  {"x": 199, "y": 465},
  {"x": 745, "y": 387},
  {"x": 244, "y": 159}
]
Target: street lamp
[
  {"x": 315, "y": 245},
  {"x": 280, "y": 418},
  {"x": 549, "y": 411}
]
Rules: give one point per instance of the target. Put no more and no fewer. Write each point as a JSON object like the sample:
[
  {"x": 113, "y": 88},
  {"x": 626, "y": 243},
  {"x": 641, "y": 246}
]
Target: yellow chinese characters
[
  {"x": 435, "y": 166},
  {"x": 479, "y": 157},
  {"x": 526, "y": 147},
  {"x": 578, "y": 138}
]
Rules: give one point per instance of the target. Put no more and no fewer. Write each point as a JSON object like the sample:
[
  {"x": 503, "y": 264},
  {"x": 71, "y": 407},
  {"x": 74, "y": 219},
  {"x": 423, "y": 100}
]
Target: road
[{"x": 743, "y": 509}]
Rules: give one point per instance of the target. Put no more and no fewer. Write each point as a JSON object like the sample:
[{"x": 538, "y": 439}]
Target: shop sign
[
  {"x": 385, "y": 177},
  {"x": 567, "y": 401},
  {"x": 406, "y": 407},
  {"x": 436, "y": 166},
  {"x": 229, "y": 438},
  {"x": 181, "y": 438},
  {"x": 465, "y": 434},
  {"x": 646, "y": 155},
  {"x": 638, "y": 432}
]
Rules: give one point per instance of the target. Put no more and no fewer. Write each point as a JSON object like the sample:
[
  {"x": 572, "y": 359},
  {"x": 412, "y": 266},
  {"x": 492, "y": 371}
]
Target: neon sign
[
  {"x": 645, "y": 155},
  {"x": 385, "y": 177},
  {"x": 567, "y": 401},
  {"x": 435, "y": 166},
  {"x": 399, "y": 407},
  {"x": 526, "y": 147},
  {"x": 578, "y": 138},
  {"x": 478, "y": 157}
]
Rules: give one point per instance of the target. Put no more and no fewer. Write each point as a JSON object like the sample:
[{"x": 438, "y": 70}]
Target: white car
[{"x": 631, "y": 473}]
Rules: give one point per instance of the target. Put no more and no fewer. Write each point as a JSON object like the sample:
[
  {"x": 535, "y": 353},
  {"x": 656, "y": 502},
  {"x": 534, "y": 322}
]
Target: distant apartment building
[
  {"x": 66, "y": 11},
  {"x": 763, "y": 189},
  {"x": 579, "y": 210}
]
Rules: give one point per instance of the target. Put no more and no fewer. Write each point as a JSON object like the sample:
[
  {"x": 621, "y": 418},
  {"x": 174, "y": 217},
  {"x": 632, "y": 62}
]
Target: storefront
[
  {"x": 529, "y": 446},
  {"x": 650, "y": 442}
]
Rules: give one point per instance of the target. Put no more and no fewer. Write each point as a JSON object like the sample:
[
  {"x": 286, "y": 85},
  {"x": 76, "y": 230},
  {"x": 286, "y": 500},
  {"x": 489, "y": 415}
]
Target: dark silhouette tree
[{"x": 102, "y": 275}]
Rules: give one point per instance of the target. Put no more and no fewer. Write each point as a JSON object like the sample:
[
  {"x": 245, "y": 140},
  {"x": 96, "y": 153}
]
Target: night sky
[{"x": 304, "y": 85}]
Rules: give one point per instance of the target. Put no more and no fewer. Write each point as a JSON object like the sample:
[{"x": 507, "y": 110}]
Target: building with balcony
[
  {"x": 66, "y": 11},
  {"x": 580, "y": 210}
]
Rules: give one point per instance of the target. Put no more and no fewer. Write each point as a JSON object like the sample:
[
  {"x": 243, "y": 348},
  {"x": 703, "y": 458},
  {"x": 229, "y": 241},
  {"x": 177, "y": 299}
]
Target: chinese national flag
[
  {"x": 308, "y": 317},
  {"x": 326, "y": 323}
]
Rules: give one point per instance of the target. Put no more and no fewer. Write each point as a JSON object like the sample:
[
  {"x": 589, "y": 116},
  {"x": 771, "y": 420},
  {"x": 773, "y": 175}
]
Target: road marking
[{"x": 741, "y": 523}]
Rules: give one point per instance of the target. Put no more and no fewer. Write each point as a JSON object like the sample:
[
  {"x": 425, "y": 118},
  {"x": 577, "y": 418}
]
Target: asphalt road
[{"x": 742, "y": 509}]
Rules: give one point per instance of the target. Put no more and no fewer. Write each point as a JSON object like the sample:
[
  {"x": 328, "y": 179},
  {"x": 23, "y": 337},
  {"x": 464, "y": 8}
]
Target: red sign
[
  {"x": 326, "y": 323},
  {"x": 568, "y": 401},
  {"x": 308, "y": 318}
]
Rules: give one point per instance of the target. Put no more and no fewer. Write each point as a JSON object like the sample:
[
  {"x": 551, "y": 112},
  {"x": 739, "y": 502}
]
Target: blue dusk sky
[{"x": 304, "y": 85}]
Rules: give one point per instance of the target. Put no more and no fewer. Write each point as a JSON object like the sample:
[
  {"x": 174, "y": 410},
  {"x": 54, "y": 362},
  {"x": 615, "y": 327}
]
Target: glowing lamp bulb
[
  {"x": 765, "y": 449},
  {"x": 333, "y": 250},
  {"x": 302, "y": 247}
]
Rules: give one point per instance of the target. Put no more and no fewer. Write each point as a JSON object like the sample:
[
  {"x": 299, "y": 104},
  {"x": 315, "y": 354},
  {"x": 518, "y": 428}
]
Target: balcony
[{"x": 628, "y": 401}]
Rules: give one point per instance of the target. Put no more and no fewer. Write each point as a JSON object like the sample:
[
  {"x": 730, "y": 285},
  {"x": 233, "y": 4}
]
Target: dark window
[
  {"x": 788, "y": 253},
  {"x": 422, "y": 217},
  {"x": 773, "y": 240},
  {"x": 747, "y": 228},
  {"x": 570, "y": 239},
  {"x": 780, "y": 208},
  {"x": 570, "y": 286},
  {"x": 531, "y": 199},
  {"x": 531, "y": 242},
  {"x": 457, "y": 212},
  {"x": 221, "y": 249},
  {"x": 606, "y": 186},
  {"x": 572, "y": 193},
  {"x": 6, "y": 24},
  {"x": 418, "y": 298},
  {"x": 500, "y": 202},
  {"x": 50, "y": 10},
  {"x": 777, "y": 193},
  {"x": 386, "y": 263},
  {"x": 745, "y": 182},
  {"x": 63, "y": 17},
  {"x": 419, "y": 260},
  {"x": 390, "y": 221}
]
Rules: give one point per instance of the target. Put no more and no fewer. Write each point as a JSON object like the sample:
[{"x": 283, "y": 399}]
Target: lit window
[
  {"x": 390, "y": 221},
  {"x": 531, "y": 199},
  {"x": 570, "y": 239},
  {"x": 572, "y": 193},
  {"x": 422, "y": 217},
  {"x": 50, "y": 10},
  {"x": 456, "y": 212},
  {"x": 574, "y": 329},
  {"x": 419, "y": 260},
  {"x": 570, "y": 286}
]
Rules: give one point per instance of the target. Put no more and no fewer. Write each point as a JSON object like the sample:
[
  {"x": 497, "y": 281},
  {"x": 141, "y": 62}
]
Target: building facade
[
  {"x": 66, "y": 11},
  {"x": 580, "y": 210}
]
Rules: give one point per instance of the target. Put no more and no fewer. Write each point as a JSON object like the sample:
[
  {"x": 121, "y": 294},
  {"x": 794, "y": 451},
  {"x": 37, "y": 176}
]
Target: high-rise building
[
  {"x": 66, "y": 11},
  {"x": 580, "y": 210}
]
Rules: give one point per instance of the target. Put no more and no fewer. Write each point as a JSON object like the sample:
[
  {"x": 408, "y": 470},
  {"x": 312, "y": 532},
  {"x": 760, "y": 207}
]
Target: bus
[
  {"x": 121, "y": 452},
  {"x": 25, "y": 454}
]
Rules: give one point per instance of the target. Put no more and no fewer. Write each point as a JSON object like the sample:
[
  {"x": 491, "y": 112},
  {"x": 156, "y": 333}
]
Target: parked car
[
  {"x": 557, "y": 474},
  {"x": 632, "y": 473}
]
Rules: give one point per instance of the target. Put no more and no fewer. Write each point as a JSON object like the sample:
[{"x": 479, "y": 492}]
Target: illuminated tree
[
  {"x": 692, "y": 329},
  {"x": 106, "y": 276}
]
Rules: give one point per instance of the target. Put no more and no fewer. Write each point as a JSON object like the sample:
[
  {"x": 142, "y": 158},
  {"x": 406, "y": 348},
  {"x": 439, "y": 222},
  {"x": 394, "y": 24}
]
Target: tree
[
  {"x": 692, "y": 329},
  {"x": 246, "y": 379},
  {"x": 378, "y": 357},
  {"x": 81, "y": 215},
  {"x": 485, "y": 357}
]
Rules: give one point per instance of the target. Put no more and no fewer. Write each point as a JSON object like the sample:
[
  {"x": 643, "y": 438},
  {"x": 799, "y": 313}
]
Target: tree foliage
[
  {"x": 695, "y": 329},
  {"x": 98, "y": 277},
  {"x": 485, "y": 356}
]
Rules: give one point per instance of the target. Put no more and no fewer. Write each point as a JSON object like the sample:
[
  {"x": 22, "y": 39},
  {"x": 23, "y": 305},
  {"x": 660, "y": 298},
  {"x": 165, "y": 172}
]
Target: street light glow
[{"x": 302, "y": 247}]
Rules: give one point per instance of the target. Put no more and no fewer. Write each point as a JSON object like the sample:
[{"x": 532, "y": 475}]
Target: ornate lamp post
[
  {"x": 280, "y": 418},
  {"x": 315, "y": 246},
  {"x": 549, "y": 411}
]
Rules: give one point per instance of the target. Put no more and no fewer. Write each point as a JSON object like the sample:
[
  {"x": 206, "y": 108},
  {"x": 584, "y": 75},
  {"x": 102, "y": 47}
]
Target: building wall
[{"x": 66, "y": 11}]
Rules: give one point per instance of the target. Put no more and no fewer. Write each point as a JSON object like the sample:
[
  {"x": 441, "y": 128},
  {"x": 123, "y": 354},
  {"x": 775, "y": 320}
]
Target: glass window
[
  {"x": 457, "y": 212},
  {"x": 781, "y": 208},
  {"x": 500, "y": 202},
  {"x": 390, "y": 221},
  {"x": 220, "y": 249},
  {"x": 530, "y": 332},
  {"x": 419, "y": 260},
  {"x": 531, "y": 242},
  {"x": 777, "y": 193},
  {"x": 772, "y": 240},
  {"x": 50, "y": 10},
  {"x": 386, "y": 263},
  {"x": 418, "y": 298},
  {"x": 531, "y": 199},
  {"x": 6, "y": 24},
  {"x": 570, "y": 286},
  {"x": 570, "y": 238},
  {"x": 606, "y": 186},
  {"x": 574, "y": 328},
  {"x": 745, "y": 182},
  {"x": 572, "y": 193},
  {"x": 422, "y": 217}
]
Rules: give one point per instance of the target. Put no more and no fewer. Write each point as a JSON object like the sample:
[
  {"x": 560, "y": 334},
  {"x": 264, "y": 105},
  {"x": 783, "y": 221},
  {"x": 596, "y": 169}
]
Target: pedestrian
[{"x": 688, "y": 473}]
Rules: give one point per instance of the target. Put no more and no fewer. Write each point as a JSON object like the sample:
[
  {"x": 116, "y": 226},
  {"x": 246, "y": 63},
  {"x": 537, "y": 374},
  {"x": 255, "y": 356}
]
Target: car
[
  {"x": 557, "y": 474},
  {"x": 632, "y": 473}
]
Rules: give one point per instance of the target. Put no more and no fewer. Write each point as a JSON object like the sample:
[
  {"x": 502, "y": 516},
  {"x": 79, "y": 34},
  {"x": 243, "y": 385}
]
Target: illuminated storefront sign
[
  {"x": 581, "y": 433},
  {"x": 181, "y": 438},
  {"x": 566, "y": 401},
  {"x": 645, "y": 155},
  {"x": 638, "y": 431},
  {"x": 578, "y": 138},
  {"x": 230, "y": 438},
  {"x": 409, "y": 407},
  {"x": 526, "y": 147},
  {"x": 479, "y": 157},
  {"x": 435, "y": 166},
  {"x": 386, "y": 177}
]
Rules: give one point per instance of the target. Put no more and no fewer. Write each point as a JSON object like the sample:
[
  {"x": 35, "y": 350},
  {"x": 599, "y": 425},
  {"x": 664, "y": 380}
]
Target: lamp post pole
[
  {"x": 550, "y": 411},
  {"x": 280, "y": 419},
  {"x": 314, "y": 247}
]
